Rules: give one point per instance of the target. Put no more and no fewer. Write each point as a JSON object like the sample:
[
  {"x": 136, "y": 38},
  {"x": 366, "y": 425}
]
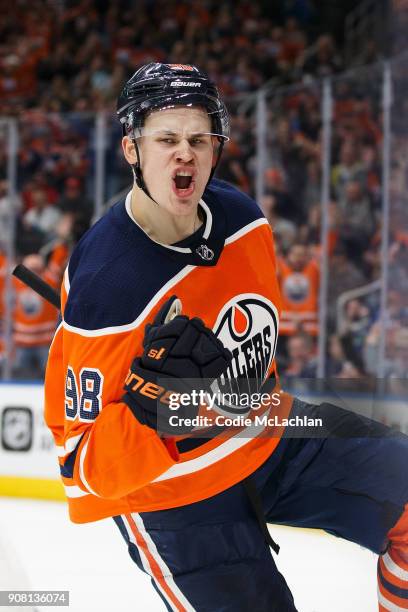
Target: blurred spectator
[
  {"x": 398, "y": 373},
  {"x": 354, "y": 329},
  {"x": 312, "y": 192},
  {"x": 310, "y": 232},
  {"x": 299, "y": 284},
  {"x": 372, "y": 171},
  {"x": 336, "y": 356},
  {"x": 28, "y": 239},
  {"x": 301, "y": 358},
  {"x": 395, "y": 323},
  {"x": 57, "y": 252},
  {"x": 275, "y": 185},
  {"x": 357, "y": 223},
  {"x": 344, "y": 275},
  {"x": 294, "y": 42},
  {"x": 34, "y": 323},
  {"x": 369, "y": 54},
  {"x": 74, "y": 201},
  {"x": 7, "y": 212},
  {"x": 42, "y": 216},
  {"x": 324, "y": 60},
  {"x": 349, "y": 168},
  {"x": 356, "y": 324},
  {"x": 284, "y": 230}
]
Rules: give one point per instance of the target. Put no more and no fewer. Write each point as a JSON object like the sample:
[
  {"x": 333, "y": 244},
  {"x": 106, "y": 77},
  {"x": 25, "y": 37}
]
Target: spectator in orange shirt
[
  {"x": 34, "y": 323},
  {"x": 299, "y": 284}
]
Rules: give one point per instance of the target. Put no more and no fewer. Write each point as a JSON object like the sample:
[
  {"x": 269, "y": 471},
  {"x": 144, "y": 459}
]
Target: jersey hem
[{"x": 188, "y": 499}]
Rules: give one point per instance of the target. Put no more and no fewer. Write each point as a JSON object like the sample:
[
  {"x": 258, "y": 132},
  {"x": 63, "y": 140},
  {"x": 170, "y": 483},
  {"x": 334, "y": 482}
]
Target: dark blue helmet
[{"x": 156, "y": 86}]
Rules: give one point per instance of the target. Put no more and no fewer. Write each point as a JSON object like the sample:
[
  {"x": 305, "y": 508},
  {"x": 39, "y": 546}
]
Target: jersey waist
[{"x": 202, "y": 472}]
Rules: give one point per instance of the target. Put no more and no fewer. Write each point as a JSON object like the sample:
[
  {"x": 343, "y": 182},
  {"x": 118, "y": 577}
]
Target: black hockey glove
[{"x": 174, "y": 353}]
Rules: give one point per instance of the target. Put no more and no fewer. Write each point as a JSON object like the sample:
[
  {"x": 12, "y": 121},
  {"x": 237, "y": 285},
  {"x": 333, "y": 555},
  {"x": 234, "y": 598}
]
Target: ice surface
[{"x": 91, "y": 561}]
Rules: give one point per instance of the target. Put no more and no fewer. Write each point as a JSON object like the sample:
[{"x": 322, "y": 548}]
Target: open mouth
[{"x": 183, "y": 179}]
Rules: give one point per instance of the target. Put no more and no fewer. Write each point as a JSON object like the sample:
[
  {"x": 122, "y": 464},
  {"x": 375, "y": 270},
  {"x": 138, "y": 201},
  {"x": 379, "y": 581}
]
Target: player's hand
[{"x": 174, "y": 352}]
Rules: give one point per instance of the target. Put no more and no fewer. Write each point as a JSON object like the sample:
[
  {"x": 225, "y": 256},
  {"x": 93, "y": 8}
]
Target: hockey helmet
[{"x": 157, "y": 86}]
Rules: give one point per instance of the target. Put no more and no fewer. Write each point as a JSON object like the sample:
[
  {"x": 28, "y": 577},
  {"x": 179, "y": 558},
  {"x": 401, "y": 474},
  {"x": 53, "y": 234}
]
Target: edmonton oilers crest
[
  {"x": 30, "y": 302},
  {"x": 296, "y": 287},
  {"x": 248, "y": 326}
]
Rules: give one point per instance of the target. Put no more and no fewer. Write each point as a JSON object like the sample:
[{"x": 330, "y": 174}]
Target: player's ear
[{"x": 129, "y": 150}]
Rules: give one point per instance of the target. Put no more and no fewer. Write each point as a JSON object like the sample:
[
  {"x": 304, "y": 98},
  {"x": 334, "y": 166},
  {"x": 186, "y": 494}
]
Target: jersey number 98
[{"x": 85, "y": 404}]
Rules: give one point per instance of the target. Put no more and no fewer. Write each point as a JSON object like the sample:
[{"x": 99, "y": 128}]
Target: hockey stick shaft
[{"x": 37, "y": 284}]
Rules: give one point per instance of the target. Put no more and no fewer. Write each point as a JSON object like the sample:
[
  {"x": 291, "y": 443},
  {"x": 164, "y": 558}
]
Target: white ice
[{"x": 91, "y": 561}]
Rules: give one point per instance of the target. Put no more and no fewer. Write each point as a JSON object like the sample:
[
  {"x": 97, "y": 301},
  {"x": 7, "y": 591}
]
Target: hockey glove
[{"x": 174, "y": 353}]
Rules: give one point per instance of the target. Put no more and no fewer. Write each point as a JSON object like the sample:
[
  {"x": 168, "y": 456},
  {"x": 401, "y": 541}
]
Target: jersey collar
[{"x": 204, "y": 247}]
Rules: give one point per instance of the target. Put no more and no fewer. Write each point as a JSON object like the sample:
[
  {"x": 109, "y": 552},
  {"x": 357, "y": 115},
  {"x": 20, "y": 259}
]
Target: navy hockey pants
[{"x": 211, "y": 556}]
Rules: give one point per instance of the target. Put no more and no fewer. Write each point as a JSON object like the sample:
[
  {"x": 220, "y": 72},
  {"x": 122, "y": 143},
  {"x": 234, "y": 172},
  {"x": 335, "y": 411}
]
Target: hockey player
[{"x": 190, "y": 509}]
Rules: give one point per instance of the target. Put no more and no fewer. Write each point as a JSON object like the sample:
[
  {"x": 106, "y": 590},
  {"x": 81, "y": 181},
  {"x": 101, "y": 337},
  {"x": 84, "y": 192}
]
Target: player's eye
[{"x": 168, "y": 140}]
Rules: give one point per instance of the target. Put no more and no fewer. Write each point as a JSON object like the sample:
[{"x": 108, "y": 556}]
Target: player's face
[{"x": 176, "y": 157}]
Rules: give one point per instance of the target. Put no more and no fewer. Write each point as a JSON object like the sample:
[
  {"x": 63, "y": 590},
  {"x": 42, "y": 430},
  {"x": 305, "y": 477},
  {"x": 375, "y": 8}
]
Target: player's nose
[{"x": 184, "y": 151}]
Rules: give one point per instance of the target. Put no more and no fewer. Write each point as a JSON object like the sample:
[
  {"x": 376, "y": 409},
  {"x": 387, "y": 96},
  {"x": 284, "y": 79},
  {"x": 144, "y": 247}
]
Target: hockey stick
[{"x": 37, "y": 284}]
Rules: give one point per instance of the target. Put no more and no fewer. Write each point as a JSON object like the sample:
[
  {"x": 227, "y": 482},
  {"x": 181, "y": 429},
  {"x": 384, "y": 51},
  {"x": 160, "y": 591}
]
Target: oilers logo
[
  {"x": 30, "y": 302},
  {"x": 296, "y": 287},
  {"x": 248, "y": 326}
]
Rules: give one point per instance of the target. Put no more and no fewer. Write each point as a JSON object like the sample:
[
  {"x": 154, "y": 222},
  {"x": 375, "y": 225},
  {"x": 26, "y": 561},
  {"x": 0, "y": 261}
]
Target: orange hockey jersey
[
  {"x": 300, "y": 293},
  {"x": 116, "y": 281},
  {"x": 34, "y": 319}
]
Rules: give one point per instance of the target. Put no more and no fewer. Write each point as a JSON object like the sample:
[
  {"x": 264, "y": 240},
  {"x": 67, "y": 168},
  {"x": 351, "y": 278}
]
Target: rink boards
[{"x": 28, "y": 457}]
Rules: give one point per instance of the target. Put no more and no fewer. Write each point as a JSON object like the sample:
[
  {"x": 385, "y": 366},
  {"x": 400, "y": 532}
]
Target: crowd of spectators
[
  {"x": 292, "y": 203},
  {"x": 63, "y": 62}
]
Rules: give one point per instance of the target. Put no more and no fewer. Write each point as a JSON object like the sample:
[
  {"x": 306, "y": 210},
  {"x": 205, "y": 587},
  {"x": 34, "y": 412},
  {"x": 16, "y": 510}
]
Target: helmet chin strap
[{"x": 138, "y": 174}]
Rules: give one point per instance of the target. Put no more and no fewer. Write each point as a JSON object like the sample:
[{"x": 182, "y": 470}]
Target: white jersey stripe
[
  {"x": 69, "y": 446},
  {"x": 66, "y": 280},
  {"x": 216, "y": 454},
  {"x": 72, "y": 443},
  {"x": 118, "y": 329},
  {"x": 393, "y": 568},
  {"x": 82, "y": 469},
  {"x": 74, "y": 491},
  {"x": 388, "y": 605},
  {"x": 246, "y": 229}
]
